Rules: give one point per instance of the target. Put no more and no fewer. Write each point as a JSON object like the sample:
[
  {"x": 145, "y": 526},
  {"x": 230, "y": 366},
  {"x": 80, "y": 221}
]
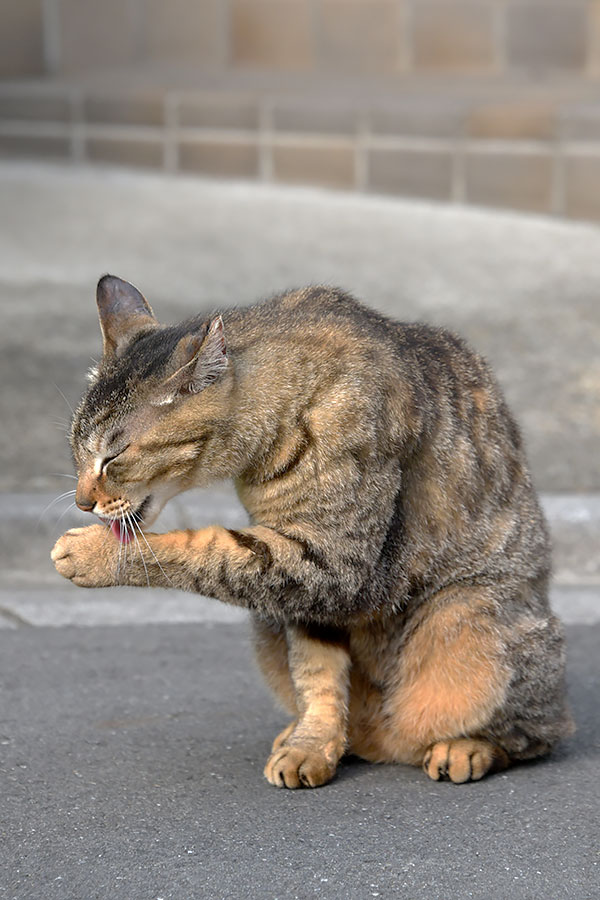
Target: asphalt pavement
[
  {"x": 132, "y": 768},
  {"x": 133, "y": 723}
]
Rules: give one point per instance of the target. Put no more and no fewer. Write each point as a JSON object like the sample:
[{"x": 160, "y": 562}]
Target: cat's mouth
[{"x": 124, "y": 529}]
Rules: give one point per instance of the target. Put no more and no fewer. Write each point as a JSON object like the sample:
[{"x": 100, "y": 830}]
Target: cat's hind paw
[
  {"x": 463, "y": 759},
  {"x": 294, "y": 767}
]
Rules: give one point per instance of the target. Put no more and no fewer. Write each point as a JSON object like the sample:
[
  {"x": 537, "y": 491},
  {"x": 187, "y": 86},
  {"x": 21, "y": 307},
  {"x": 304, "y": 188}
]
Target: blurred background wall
[{"x": 490, "y": 102}]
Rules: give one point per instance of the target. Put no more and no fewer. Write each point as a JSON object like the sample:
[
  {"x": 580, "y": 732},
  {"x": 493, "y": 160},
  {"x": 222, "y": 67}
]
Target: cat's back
[
  {"x": 325, "y": 312},
  {"x": 314, "y": 310},
  {"x": 432, "y": 453},
  {"x": 420, "y": 373}
]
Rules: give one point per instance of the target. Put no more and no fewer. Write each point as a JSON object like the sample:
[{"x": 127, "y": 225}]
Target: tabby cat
[{"x": 397, "y": 562}]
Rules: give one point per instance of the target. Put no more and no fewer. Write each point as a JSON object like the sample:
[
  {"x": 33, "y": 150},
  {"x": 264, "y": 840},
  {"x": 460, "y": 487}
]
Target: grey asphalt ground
[
  {"x": 133, "y": 725},
  {"x": 132, "y": 768}
]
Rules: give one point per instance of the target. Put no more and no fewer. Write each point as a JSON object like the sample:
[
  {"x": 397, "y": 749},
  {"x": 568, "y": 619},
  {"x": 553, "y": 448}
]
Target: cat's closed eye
[{"x": 109, "y": 459}]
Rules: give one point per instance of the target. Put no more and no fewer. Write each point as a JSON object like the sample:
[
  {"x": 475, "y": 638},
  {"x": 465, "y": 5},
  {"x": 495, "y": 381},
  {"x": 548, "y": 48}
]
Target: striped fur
[{"x": 397, "y": 560}]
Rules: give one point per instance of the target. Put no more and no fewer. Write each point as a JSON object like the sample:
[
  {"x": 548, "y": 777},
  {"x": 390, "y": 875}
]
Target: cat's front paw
[
  {"x": 86, "y": 556},
  {"x": 294, "y": 767}
]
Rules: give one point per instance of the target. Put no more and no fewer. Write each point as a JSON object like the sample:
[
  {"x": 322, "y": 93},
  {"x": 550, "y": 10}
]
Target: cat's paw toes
[
  {"x": 283, "y": 736},
  {"x": 61, "y": 555},
  {"x": 81, "y": 556},
  {"x": 295, "y": 767},
  {"x": 463, "y": 759},
  {"x": 64, "y": 566}
]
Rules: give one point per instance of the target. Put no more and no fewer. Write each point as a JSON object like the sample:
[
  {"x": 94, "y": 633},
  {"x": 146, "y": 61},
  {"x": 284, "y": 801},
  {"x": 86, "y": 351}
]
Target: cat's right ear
[{"x": 123, "y": 311}]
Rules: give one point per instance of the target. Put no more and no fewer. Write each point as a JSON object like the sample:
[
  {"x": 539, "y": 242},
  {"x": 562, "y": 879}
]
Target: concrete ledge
[
  {"x": 33, "y": 594},
  {"x": 507, "y": 145},
  {"x": 30, "y": 520},
  {"x": 575, "y": 524},
  {"x": 498, "y": 279},
  {"x": 67, "y": 605},
  {"x": 522, "y": 290}
]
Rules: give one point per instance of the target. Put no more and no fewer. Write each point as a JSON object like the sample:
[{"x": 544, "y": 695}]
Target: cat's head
[{"x": 141, "y": 430}]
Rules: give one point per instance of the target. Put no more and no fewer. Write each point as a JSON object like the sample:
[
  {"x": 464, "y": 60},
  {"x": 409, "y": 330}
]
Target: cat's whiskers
[
  {"x": 64, "y": 512},
  {"x": 72, "y": 411},
  {"x": 63, "y": 475},
  {"x": 137, "y": 525},
  {"x": 114, "y": 519},
  {"x": 63, "y": 423},
  {"x": 51, "y": 504},
  {"x": 132, "y": 526},
  {"x": 108, "y": 523}
]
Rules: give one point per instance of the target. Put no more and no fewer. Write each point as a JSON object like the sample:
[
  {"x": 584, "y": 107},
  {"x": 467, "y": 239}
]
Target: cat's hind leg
[
  {"x": 271, "y": 649},
  {"x": 306, "y": 754},
  {"x": 451, "y": 677},
  {"x": 474, "y": 691}
]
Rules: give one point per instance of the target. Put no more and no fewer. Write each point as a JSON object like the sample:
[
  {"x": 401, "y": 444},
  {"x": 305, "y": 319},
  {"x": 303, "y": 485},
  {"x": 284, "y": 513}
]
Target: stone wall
[
  {"x": 488, "y": 102},
  {"x": 382, "y": 37}
]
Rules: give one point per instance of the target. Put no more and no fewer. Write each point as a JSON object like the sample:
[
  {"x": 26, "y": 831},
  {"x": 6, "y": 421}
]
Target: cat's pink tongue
[{"x": 121, "y": 531}]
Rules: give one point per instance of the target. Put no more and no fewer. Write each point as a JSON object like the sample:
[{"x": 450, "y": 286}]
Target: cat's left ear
[
  {"x": 199, "y": 360},
  {"x": 123, "y": 311}
]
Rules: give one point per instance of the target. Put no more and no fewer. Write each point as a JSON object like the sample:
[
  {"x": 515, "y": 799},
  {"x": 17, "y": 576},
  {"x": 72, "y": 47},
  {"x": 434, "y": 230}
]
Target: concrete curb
[{"x": 32, "y": 593}]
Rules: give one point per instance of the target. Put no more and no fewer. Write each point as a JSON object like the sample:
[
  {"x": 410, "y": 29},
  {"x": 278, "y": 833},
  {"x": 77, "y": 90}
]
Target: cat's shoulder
[
  {"x": 319, "y": 306},
  {"x": 334, "y": 313}
]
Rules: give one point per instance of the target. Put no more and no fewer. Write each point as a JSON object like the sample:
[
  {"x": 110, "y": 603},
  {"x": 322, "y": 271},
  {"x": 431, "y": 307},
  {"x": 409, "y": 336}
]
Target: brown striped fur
[{"x": 396, "y": 564}]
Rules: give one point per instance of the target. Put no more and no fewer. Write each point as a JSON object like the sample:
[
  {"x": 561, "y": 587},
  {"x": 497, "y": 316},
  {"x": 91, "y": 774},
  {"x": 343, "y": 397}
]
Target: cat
[{"x": 396, "y": 567}]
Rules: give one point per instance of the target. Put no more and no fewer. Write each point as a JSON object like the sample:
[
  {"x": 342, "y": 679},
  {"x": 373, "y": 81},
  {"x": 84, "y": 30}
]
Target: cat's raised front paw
[
  {"x": 86, "y": 556},
  {"x": 295, "y": 767}
]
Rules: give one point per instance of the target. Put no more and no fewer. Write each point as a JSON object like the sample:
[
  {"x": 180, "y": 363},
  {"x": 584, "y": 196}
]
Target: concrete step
[
  {"x": 68, "y": 605},
  {"x": 502, "y": 143},
  {"x": 523, "y": 291},
  {"x": 32, "y": 593}
]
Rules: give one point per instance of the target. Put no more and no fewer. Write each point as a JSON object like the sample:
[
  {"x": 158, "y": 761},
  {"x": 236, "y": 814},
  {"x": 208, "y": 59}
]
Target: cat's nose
[
  {"x": 85, "y": 495},
  {"x": 85, "y": 500}
]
